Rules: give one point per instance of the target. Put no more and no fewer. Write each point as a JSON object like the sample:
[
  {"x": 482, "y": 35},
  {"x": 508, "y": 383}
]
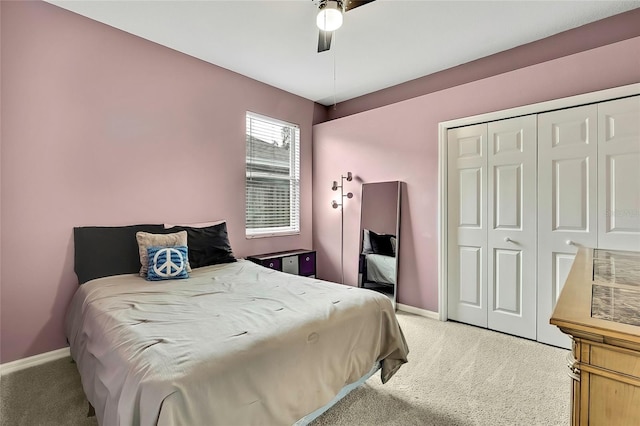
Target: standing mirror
[{"x": 379, "y": 237}]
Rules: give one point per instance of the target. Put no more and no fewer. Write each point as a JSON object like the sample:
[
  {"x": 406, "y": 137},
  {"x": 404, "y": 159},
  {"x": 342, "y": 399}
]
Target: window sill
[{"x": 271, "y": 234}]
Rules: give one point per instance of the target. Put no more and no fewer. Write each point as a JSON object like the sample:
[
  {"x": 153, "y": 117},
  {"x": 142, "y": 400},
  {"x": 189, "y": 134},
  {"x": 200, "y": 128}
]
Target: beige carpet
[
  {"x": 456, "y": 375},
  {"x": 463, "y": 375}
]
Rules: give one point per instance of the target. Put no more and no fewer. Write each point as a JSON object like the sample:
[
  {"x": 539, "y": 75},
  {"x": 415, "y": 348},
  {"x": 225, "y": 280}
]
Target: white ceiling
[{"x": 380, "y": 44}]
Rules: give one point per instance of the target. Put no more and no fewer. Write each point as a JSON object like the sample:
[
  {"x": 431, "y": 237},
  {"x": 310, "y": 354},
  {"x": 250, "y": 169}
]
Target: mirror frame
[{"x": 361, "y": 278}]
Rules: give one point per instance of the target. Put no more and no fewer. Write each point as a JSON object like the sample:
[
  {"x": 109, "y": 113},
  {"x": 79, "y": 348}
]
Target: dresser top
[
  {"x": 601, "y": 295},
  {"x": 266, "y": 256},
  {"x": 616, "y": 267},
  {"x": 616, "y": 286}
]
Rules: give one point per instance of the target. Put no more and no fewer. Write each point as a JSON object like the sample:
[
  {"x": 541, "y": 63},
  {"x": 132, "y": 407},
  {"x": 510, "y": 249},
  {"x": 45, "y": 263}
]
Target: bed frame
[{"x": 106, "y": 251}]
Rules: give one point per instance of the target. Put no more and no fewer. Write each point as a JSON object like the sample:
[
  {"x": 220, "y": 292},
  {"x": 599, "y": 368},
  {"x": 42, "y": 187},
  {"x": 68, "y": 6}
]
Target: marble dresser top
[{"x": 616, "y": 286}]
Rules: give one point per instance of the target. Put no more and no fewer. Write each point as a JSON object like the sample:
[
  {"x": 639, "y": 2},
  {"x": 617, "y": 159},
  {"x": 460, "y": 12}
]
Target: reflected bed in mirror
[{"x": 379, "y": 242}]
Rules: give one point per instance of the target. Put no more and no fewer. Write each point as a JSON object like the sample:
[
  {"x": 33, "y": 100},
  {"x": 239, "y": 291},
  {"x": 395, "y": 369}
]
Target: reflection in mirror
[{"x": 379, "y": 237}]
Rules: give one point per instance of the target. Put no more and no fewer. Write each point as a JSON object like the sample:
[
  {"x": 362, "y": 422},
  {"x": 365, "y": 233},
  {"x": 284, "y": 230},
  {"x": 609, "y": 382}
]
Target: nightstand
[{"x": 297, "y": 262}]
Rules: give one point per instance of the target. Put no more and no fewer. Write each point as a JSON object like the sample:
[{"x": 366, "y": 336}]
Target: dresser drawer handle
[
  {"x": 307, "y": 258},
  {"x": 271, "y": 265}
]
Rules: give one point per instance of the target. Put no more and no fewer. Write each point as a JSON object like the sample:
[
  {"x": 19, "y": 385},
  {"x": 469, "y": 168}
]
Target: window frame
[{"x": 293, "y": 178}]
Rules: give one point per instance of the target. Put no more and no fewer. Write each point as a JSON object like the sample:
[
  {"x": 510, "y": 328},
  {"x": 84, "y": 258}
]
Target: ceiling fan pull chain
[{"x": 334, "y": 79}]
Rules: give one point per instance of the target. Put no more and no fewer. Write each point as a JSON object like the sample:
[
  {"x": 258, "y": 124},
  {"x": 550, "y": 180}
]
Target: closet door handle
[
  {"x": 570, "y": 243},
  {"x": 508, "y": 240}
]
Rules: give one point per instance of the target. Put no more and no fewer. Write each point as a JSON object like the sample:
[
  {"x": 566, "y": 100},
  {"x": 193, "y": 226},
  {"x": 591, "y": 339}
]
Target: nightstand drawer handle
[
  {"x": 271, "y": 265},
  {"x": 307, "y": 258}
]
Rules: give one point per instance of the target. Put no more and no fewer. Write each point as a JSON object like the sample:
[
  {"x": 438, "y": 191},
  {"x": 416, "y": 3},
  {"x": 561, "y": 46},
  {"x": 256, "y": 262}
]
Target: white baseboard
[
  {"x": 32, "y": 361},
  {"x": 418, "y": 311}
]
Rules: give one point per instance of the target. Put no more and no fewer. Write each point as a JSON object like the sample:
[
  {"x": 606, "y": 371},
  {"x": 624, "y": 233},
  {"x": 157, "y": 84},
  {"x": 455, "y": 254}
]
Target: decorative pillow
[
  {"x": 366, "y": 242},
  {"x": 381, "y": 243},
  {"x": 146, "y": 240},
  {"x": 208, "y": 246},
  {"x": 167, "y": 263}
]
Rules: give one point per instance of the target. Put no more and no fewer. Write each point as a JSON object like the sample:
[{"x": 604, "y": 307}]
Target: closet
[{"x": 523, "y": 194}]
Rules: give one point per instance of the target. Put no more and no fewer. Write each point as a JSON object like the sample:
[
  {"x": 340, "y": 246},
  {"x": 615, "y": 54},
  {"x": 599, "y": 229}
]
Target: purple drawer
[
  {"x": 275, "y": 263},
  {"x": 307, "y": 263}
]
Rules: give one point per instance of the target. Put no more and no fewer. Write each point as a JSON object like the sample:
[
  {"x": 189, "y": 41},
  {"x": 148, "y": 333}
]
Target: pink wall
[
  {"x": 607, "y": 31},
  {"x": 100, "y": 127},
  {"x": 400, "y": 142}
]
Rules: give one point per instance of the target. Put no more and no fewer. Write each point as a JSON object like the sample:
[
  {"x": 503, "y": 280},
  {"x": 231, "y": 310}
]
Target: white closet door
[
  {"x": 619, "y": 174},
  {"x": 511, "y": 251},
  {"x": 467, "y": 230},
  {"x": 567, "y": 153}
]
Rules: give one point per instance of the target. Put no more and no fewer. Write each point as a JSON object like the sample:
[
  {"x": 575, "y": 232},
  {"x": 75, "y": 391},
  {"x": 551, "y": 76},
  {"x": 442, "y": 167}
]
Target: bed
[{"x": 233, "y": 344}]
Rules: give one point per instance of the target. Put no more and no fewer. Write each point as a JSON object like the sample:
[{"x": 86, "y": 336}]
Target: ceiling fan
[{"x": 330, "y": 18}]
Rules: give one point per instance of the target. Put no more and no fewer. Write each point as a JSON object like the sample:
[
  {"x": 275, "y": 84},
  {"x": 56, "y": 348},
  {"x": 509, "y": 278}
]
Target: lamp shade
[{"x": 330, "y": 17}]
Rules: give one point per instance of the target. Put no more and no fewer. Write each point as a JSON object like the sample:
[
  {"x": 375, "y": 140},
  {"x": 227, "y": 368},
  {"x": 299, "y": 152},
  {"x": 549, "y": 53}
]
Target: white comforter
[{"x": 235, "y": 344}]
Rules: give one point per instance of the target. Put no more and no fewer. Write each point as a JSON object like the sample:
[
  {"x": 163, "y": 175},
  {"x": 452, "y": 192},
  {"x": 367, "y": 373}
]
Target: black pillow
[
  {"x": 103, "y": 251},
  {"x": 381, "y": 243},
  {"x": 207, "y": 246}
]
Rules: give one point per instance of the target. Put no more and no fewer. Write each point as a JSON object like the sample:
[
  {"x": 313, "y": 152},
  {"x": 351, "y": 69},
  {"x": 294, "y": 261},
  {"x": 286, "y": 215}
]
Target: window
[{"x": 273, "y": 177}]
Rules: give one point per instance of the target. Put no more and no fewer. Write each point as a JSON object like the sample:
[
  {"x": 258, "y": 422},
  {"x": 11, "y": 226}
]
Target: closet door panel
[
  {"x": 466, "y": 234},
  {"x": 511, "y": 233},
  {"x": 570, "y": 194},
  {"x": 619, "y": 174},
  {"x": 567, "y": 153},
  {"x": 507, "y": 294},
  {"x": 470, "y": 276}
]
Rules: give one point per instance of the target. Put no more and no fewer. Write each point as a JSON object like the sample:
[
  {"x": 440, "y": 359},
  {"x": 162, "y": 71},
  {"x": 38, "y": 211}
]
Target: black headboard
[{"x": 102, "y": 251}]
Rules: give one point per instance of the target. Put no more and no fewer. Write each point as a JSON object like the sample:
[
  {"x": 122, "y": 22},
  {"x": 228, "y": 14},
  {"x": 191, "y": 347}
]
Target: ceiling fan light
[{"x": 330, "y": 17}]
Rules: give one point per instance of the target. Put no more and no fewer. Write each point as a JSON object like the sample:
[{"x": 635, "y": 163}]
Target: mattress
[{"x": 234, "y": 344}]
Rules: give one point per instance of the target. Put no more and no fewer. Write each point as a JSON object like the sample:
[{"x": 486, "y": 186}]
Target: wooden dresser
[{"x": 599, "y": 307}]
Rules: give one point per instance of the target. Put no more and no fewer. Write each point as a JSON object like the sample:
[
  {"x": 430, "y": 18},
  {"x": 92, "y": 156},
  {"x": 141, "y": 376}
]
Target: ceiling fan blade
[
  {"x": 324, "y": 40},
  {"x": 352, "y": 4}
]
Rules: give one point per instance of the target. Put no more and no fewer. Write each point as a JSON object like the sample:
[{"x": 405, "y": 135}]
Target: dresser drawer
[
  {"x": 290, "y": 264},
  {"x": 307, "y": 264},
  {"x": 618, "y": 360},
  {"x": 275, "y": 263}
]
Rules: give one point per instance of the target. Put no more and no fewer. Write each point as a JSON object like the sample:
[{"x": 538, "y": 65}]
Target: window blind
[{"x": 272, "y": 177}]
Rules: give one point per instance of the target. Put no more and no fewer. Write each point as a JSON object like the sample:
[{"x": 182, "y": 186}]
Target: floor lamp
[{"x": 335, "y": 205}]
